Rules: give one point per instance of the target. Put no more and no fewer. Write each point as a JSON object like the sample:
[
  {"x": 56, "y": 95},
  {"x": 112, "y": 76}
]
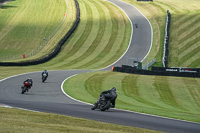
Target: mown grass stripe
[
  {"x": 120, "y": 43},
  {"x": 180, "y": 18},
  {"x": 189, "y": 49},
  {"x": 192, "y": 59},
  {"x": 130, "y": 82},
  {"x": 183, "y": 19},
  {"x": 195, "y": 63},
  {"x": 132, "y": 90},
  {"x": 188, "y": 45},
  {"x": 114, "y": 44},
  {"x": 163, "y": 11},
  {"x": 98, "y": 25},
  {"x": 180, "y": 91},
  {"x": 194, "y": 89},
  {"x": 162, "y": 86},
  {"x": 108, "y": 47},
  {"x": 189, "y": 26},
  {"x": 190, "y": 35},
  {"x": 104, "y": 40},
  {"x": 86, "y": 33},
  {"x": 193, "y": 38},
  {"x": 189, "y": 55},
  {"x": 174, "y": 45},
  {"x": 94, "y": 84},
  {"x": 167, "y": 6}
]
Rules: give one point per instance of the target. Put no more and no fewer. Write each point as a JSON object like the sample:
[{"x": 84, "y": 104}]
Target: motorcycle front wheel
[
  {"x": 24, "y": 90},
  {"x": 43, "y": 79}
]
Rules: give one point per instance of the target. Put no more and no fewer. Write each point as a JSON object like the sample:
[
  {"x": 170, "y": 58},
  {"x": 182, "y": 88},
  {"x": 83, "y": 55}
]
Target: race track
[{"x": 48, "y": 96}]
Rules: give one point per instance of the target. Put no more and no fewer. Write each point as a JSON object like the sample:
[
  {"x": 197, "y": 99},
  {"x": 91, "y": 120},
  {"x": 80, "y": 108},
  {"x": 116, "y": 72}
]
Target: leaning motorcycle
[
  {"x": 44, "y": 77},
  {"x": 103, "y": 103},
  {"x": 26, "y": 87}
]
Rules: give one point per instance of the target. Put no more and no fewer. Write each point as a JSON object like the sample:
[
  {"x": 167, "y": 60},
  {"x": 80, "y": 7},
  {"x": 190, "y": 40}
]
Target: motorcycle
[
  {"x": 102, "y": 103},
  {"x": 44, "y": 77},
  {"x": 26, "y": 87}
]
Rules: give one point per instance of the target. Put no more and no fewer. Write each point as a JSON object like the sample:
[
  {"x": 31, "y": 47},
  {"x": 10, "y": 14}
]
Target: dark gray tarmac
[{"x": 48, "y": 97}]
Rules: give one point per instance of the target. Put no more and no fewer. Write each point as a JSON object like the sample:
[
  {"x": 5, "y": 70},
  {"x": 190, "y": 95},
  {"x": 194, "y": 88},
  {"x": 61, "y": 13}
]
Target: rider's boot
[
  {"x": 94, "y": 106},
  {"x": 112, "y": 106}
]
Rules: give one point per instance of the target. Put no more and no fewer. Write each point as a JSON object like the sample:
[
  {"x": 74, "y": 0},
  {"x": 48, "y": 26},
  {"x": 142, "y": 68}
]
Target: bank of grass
[
  {"x": 101, "y": 38},
  {"x": 24, "y": 24},
  {"x": 174, "y": 97},
  {"x": 22, "y": 121},
  {"x": 184, "y": 33}
]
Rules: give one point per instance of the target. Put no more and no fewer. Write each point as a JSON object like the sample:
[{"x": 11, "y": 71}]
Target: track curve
[{"x": 48, "y": 97}]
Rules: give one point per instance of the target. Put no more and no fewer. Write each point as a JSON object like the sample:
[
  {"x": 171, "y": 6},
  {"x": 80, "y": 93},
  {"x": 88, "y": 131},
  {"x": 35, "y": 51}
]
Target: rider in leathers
[
  {"x": 45, "y": 72},
  {"x": 111, "y": 94},
  {"x": 30, "y": 81}
]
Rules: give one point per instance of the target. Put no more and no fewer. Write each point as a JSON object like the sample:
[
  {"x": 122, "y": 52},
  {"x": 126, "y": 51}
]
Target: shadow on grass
[{"x": 6, "y": 6}]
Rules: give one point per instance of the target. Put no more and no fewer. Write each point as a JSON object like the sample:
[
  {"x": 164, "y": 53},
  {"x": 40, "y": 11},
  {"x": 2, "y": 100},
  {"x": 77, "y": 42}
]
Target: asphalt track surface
[{"x": 48, "y": 97}]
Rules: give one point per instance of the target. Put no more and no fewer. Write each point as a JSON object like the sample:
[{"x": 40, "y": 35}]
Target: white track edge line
[{"x": 69, "y": 95}]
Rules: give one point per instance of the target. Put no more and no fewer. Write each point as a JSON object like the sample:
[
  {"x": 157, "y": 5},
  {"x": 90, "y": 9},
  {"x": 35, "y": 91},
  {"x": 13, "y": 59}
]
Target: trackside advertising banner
[{"x": 177, "y": 69}]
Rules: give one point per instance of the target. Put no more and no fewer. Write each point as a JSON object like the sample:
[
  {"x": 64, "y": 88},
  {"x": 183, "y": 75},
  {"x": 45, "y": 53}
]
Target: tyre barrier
[
  {"x": 179, "y": 72},
  {"x": 55, "y": 52}
]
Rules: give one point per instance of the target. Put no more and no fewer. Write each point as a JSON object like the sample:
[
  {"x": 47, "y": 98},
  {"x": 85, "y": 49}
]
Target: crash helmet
[{"x": 114, "y": 89}]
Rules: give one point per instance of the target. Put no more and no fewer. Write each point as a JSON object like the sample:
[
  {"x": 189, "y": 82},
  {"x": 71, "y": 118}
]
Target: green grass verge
[
  {"x": 173, "y": 97},
  {"x": 21, "y": 121}
]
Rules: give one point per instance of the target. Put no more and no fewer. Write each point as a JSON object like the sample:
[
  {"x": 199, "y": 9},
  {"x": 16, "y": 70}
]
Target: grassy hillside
[
  {"x": 184, "y": 32},
  {"x": 101, "y": 38},
  {"x": 24, "y": 25},
  {"x": 165, "y": 96}
]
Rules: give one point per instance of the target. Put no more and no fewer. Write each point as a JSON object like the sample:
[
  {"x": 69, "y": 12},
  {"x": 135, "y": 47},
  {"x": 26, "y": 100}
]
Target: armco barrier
[
  {"x": 166, "y": 40},
  {"x": 158, "y": 71},
  {"x": 55, "y": 51}
]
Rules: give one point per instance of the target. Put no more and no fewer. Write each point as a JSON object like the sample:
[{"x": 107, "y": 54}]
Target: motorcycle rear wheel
[{"x": 105, "y": 106}]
